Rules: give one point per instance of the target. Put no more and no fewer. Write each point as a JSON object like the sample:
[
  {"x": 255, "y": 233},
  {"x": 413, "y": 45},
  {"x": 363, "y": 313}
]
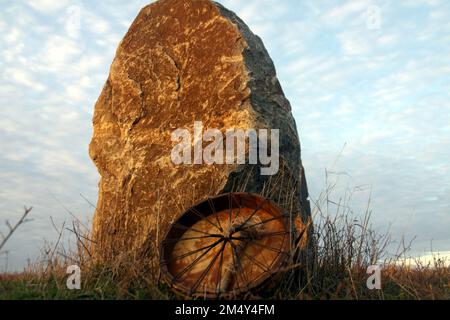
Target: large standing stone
[{"x": 182, "y": 61}]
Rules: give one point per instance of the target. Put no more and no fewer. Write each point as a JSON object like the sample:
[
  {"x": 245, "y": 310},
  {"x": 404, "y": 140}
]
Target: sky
[{"x": 368, "y": 81}]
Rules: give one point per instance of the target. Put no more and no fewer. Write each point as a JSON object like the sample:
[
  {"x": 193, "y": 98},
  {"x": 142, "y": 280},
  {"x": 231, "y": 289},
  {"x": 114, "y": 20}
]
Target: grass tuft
[{"x": 344, "y": 246}]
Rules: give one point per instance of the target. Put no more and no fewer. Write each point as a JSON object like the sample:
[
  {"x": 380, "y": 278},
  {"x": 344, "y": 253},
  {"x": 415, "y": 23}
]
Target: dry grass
[{"x": 344, "y": 246}]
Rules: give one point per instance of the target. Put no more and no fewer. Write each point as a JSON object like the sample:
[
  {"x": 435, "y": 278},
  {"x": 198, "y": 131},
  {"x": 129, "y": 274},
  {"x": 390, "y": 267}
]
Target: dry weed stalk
[{"x": 12, "y": 229}]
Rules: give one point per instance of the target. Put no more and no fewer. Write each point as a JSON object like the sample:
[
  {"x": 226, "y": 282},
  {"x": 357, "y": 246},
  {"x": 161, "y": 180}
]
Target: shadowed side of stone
[{"x": 181, "y": 61}]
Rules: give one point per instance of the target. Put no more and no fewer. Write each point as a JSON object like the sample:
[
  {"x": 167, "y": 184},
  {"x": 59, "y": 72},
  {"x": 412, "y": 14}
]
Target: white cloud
[
  {"x": 387, "y": 39},
  {"x": 373, "y": 135},
  {"x": 13, "y": 35},
  {"x": 341, "y": 13},
  {"x": 74, "y": 92},
  {"x": 23, "y": 77},
  {"x": 58, "y": 53},
  {"x": 88, "y": 63},
  {"x": 86, "y": 81},
  {"x": 95, "y": 23},
  {"x": 371, "y": 88},
  {"x": 438, "y": 15},
  {"x": 259, "y": 15},
  {"x": 354, "y": 42},
  {"x": 12, "y": 52},
  {"x": 47, "y": 6},
  {"x": 441, "y": 258},
  {"x": 297, "y": 36},
  {"x": 110, "y": 41},
  {"x": 346, "y": 108},
  {"x": 416, "y": 3}
]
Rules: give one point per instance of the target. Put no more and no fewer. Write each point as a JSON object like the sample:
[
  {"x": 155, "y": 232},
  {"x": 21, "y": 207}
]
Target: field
[{"x": 346, "y": 245}]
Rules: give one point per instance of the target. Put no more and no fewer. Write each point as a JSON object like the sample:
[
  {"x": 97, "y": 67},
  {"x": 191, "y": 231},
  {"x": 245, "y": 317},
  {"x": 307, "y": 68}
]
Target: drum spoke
[
  {"x": 190, "y": 253},
  {"x": 230, "y": 209},
  {"x": 206, "y": 218},
  {"x": 175, "y": 240},
  {"x": 193, "y": 263},
  {"x": 219, "y": 278},
  {"x": 262, "y": 222},
  {"x": 241, "y": 227},
  {"x": 229, "y": 253},
  {"x": 234, "y": 257},
  {"x": 259, "y": 264},
  {"x": 274, "y": 234},
  {"x": 208, "y": 268},
  {"x": 180, "y": 226},
  {"x": 211, "y": 205},
  {"x": 239, "y": 265},
  {"x": 259, "y": 244},
  {"x": 237, "y": 214}
]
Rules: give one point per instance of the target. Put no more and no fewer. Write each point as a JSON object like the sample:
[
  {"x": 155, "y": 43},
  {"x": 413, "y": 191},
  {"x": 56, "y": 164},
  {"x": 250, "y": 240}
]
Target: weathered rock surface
[{"x": 182, "y": 61}]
